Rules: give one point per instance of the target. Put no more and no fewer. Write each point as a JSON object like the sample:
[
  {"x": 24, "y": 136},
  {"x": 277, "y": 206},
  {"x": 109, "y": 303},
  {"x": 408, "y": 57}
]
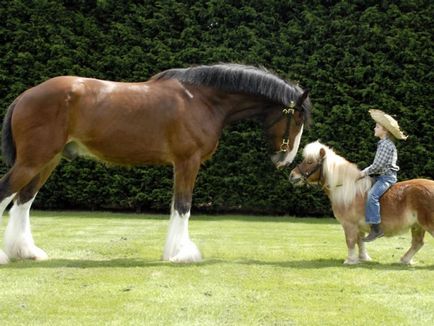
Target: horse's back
[
  {"x": 412, "y": 199},
  {"x": 412, "y": 192}
]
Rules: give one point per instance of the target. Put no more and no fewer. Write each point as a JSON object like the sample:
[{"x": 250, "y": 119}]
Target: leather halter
[
  {"x": 306, "y": 174},
  {"x": 289, "y": 112}
]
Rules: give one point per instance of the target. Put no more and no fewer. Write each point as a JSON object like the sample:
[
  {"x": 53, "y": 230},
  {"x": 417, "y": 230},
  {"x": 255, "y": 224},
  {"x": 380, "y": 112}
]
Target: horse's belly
[
  {"x": 122, "y": 154},
  {"x": 398, "y": 222}
]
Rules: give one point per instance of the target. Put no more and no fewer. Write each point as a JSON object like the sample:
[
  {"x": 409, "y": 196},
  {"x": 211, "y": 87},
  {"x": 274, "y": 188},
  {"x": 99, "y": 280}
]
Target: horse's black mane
[{"x": 239, "y": 78}]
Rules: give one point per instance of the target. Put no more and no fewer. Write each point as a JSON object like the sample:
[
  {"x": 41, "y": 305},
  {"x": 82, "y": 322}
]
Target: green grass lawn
[{"x": 105, "y": 269}]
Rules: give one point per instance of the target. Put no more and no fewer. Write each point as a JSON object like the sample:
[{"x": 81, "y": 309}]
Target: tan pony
[{"x": 406, "y": 205}]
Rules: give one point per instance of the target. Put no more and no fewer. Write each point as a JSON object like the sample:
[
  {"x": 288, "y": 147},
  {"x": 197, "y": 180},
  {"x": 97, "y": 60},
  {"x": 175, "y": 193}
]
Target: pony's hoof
[
  {"x": 365, "y": 258},
  {"x": 351, "y": 261},
  {"x": 407, "y": 262},
  {"x": 4, "y": 259}
]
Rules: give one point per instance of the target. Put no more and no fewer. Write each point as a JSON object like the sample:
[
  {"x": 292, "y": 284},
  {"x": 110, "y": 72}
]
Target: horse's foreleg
[
  {"x": 417, "y": 235},
  {"x": 351, "y": 238},
  {"x": 19, "y": 241},
  {"x": 179, "y": 248}
]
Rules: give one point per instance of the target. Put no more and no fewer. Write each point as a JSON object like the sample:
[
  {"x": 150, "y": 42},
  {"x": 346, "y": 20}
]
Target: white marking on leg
[
  {"x": 4, "y": 259},
  {"x": 4, "y": 203},
  {"x": 352, "y": 257},
  {"x": 179, "y": 248},
  {"x": 363, "y": 253},
  {"x": 407, "y": 258},
  {"x": 18, "y": 236}
]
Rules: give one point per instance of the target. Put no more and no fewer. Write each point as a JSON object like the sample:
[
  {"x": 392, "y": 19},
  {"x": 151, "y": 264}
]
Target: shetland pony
[
  {"x": 175, "y": 118},
  {"x": 406, "y": 205}
]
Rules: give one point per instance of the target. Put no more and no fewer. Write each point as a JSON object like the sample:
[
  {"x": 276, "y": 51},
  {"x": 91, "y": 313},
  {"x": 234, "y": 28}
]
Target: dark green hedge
[{"x": 353, "y": 56}]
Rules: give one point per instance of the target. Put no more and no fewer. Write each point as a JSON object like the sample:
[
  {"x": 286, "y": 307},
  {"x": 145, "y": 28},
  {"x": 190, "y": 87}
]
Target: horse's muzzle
[
  {"x": 296, "y": 179},
  {"x": 278, "y": 160}
]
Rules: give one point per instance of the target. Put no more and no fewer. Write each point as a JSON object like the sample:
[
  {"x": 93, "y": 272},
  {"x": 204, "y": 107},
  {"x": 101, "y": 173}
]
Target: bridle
[
  {"x": 286, "y": 112},
  {"x": 306, "y": 174}
]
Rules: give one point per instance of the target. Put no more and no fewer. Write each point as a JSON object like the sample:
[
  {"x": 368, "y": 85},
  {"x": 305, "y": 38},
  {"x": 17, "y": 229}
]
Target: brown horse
[
  {"x": 406, "y": 205},
  {"x": 174, "y": 118}
]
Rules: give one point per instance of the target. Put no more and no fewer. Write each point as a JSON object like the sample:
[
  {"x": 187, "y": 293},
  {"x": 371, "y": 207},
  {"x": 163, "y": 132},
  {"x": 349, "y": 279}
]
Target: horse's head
[
  {"x": 285, "y": 128},
  {"x": 310, "y": 170}
]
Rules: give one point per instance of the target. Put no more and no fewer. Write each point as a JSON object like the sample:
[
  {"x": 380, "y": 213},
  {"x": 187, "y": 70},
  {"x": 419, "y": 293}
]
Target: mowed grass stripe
[{"x": 105, "y": 269}]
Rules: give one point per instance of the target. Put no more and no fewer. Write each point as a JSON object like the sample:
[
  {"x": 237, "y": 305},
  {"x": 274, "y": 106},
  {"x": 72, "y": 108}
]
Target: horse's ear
[
  {"x": 322, "y": 152},
  {"x": 302, "y": 97}
]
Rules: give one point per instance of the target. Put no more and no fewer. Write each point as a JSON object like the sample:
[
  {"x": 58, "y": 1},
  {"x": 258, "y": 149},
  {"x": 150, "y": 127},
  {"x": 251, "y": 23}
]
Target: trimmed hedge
[{"x": 352, "y": 56}]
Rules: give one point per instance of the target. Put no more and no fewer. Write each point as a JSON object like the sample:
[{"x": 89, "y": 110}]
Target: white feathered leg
[
  {"x": 4, "y": 259},
  {"x": 4, "y": 203},
  {"x": 18, "y": 236},
  {"x": 179, "y": 248}
]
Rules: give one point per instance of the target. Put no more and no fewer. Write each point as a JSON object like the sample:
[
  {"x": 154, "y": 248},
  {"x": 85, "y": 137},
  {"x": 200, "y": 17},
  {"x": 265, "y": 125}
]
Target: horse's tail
[{"x": 8, "y": 144}]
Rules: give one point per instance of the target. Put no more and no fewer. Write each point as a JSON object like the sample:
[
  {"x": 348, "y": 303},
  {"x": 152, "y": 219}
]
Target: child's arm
[{"x": 382, "y": 158}]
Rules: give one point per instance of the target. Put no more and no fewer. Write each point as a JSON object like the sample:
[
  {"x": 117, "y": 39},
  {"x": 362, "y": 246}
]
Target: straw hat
[{"x": 388, "y": 123}]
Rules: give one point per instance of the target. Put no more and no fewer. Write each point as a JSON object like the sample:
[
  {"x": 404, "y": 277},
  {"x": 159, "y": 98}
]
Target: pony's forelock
[{"x": 312, "y": 150}]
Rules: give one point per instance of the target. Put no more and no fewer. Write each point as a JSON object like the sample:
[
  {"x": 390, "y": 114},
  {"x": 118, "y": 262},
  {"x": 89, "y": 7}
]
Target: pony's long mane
[
  {"x": 240, "y": 78},
  {"x": 341, "y": 177}
]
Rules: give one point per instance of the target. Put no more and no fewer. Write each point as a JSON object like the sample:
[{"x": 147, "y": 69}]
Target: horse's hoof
[
  {"x": 188, "y": 253},
  {"x": 29, "y": 252},
  {"x": 4, "y": 259},
  {"x": 185, "y": 258},
  {"x": 39, "y": 255}
]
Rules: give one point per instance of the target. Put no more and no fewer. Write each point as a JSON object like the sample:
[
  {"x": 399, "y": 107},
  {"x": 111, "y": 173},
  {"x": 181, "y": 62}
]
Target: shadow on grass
[
  {"x": 327, "y": 263},
  {"x": 133, "y": 263},
  {"x": 166, "y": 217}
]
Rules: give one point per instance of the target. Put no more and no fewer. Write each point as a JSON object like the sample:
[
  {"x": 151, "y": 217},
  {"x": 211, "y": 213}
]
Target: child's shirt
[{"x": 385, "y": 159}]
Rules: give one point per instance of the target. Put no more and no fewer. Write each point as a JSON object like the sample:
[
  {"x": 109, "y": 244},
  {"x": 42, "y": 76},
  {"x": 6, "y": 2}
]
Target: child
[{"x": 384, "y": 167}]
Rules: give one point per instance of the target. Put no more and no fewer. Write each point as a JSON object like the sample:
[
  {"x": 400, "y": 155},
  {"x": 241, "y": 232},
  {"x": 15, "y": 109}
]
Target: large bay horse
[
  {"x": 406, "y": 205},
  {"x": 174, "y": 118}
]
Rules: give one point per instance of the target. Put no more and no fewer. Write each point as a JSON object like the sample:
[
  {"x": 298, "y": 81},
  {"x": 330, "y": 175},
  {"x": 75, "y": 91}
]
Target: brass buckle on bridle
[
  {"x": 284, "y": 146},
  {"x": 290, "y": 108},
  {"x": 285, "y": 141}
]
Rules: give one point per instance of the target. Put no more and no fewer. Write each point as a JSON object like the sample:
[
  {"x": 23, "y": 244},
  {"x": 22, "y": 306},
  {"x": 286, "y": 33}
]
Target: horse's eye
[{"x": 310, "y": 162}]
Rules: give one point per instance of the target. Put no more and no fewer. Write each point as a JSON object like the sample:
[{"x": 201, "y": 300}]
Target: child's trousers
[{"x": 380, "y": 186}]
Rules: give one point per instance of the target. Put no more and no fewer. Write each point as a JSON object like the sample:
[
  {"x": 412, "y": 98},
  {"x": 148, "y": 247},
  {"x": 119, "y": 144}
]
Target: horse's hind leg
[
  {"x": 4, "y": 259},
  {"x": 417, "y": 234},
  {"x": 18, "y": 236},
  {"x": 7, "y": 194},
  {"x": 5, "y": 201}
]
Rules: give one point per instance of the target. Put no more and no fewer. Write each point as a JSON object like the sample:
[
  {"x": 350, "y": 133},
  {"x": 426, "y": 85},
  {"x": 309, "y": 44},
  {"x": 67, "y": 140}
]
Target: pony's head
[
  {"x": 311, "y": 169},
  {"x": 340, "y": 178},
  {"x": 285, "y": 127}
]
